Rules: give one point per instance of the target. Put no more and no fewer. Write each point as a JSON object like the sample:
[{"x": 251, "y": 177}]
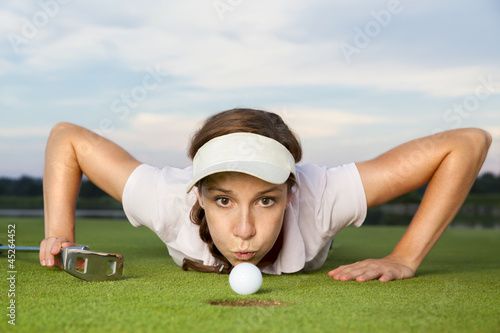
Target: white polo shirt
[{"x": 329, "y": 200}]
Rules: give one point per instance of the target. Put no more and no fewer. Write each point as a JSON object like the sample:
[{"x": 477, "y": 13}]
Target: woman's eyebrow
[
  {"x": 218, "y": 189},
  {"x": 213, "y": 188},
  {"x": 272, "y": 189}
]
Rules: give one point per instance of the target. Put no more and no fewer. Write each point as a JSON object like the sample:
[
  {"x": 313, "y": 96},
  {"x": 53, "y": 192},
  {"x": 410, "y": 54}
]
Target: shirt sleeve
[
  {"x": 140, "y": 196},
  {"x": 334, "y": 196},
  {"x": 156, "y": 198}
]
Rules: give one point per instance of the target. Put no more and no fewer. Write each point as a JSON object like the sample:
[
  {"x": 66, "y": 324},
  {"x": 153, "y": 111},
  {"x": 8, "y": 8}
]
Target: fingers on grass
[
  {"x": 372, "y": 275},
  {"x": 343, "y": 277},
  {"x": 338, "y": 274},
  {"x": 347, "y": 274},
  {"x": 360, "y": 273},
  {"x": 385, "y": 278},
  {"x": 336, "y": 271}
]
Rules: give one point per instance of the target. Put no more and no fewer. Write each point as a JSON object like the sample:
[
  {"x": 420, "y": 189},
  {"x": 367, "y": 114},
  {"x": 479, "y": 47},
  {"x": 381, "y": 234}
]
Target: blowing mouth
[{"x": 244, "y": 255}]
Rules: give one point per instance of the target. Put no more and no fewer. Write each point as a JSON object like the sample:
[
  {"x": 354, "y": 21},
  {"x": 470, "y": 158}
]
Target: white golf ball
[{"x": 245, "y": 279}]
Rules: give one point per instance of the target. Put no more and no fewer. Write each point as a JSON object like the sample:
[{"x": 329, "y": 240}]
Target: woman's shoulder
[
  {"x": 167, "y": 174},
  {"x": 320, "y": 175}
]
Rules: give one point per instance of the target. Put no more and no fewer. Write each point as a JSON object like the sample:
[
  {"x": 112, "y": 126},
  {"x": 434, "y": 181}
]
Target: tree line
[{"x": 26, "y": 186}]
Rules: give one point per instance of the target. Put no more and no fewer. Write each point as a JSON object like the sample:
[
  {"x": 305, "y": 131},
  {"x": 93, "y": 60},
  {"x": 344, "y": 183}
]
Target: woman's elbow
[
  {"x": 482, "y": 138},
  {"x": 479, "y": 141}
]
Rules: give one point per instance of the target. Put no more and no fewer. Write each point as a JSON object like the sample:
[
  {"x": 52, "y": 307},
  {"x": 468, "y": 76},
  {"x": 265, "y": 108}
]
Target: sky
[{"x": 352, "y": 78}]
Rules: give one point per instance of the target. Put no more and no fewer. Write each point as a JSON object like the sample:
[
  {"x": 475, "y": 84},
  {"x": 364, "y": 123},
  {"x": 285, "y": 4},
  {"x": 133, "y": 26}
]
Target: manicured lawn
[{"x": 457, "y": 288}]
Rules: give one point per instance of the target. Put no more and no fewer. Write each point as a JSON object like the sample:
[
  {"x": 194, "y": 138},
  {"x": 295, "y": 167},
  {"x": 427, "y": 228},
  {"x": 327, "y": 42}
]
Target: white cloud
[
  {"x": 494, "y": 131},
  {"x": 314, "y": 123},
  {"x": 8, "y": 21},
  {"x": 24, "y": 132},
  {"x": 171, "y": 132},
  {"x": 440, "y": 82},
  {"x": 5, "y": 67},
  {"x": 247, "y": 49},
  {"x": 157, "y": 132}
]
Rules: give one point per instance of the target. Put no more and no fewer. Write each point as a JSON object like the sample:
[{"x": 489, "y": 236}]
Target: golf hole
[{"x": 247, "y": 303}]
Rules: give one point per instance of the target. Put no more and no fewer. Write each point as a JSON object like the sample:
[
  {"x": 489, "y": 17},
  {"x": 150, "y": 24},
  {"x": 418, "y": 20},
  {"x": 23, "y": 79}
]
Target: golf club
[
  {"x": 84, "y": 264},
  {"x": 20, "y": 248}
]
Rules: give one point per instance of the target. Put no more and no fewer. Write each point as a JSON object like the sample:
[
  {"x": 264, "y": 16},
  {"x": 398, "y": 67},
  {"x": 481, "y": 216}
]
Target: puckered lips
[{"x": 244, "y": 255}]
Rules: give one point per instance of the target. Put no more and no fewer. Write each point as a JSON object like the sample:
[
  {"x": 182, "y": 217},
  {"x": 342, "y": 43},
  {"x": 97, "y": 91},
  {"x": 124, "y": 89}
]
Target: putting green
[{"x": 457, "y": 289}]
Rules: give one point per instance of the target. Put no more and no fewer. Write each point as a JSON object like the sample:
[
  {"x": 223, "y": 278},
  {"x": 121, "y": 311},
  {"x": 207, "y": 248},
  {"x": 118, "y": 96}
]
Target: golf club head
[{"x": 89, "y": 265}]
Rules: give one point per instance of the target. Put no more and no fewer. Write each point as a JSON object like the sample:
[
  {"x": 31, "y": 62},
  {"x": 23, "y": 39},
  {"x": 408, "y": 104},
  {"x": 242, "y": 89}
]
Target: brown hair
[{"x": 234, "y": 121}]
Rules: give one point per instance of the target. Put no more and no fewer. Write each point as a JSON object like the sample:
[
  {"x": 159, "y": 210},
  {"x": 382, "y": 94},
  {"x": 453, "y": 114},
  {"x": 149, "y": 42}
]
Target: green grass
[{"x": 457, "y": 288}]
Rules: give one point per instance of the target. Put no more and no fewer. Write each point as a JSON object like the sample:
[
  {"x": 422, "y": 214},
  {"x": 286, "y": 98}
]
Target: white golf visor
[{"x": 249, "y": 153}]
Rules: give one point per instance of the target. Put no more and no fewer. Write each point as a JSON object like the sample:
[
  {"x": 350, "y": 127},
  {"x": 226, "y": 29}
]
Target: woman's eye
[
  {"x": 266, "y": 202},
  {"x": 223, "y": 202}
]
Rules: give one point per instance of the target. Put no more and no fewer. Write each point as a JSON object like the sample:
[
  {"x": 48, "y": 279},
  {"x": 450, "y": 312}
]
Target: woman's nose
[{"x": 244, "y": 226}]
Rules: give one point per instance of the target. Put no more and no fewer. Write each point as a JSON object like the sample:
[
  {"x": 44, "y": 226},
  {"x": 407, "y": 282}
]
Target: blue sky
[{"x": 353, "y": 78}]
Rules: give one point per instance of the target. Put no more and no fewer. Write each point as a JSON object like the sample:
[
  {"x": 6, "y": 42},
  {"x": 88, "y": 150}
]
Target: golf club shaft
[{"x": 20, "y": 248}]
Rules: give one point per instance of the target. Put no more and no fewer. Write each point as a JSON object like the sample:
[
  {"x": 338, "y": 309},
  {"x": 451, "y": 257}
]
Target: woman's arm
[
  {"x": 449, "y": 162},
  {"x": 72, "y": 150}
]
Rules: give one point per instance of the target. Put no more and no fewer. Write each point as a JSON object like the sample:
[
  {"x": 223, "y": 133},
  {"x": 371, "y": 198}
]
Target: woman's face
[{"x": 244, "y": 214}]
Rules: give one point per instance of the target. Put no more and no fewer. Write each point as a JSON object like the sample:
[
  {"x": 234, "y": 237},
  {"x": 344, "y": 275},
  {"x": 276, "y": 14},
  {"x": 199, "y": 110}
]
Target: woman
[{"x": 248, "y": 201}]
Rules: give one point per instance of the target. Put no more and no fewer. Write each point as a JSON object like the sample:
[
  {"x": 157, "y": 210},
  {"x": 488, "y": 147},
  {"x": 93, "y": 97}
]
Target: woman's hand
[
  {"x": 50, "y": 248},
  {"x": 385, "y": 269}
]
